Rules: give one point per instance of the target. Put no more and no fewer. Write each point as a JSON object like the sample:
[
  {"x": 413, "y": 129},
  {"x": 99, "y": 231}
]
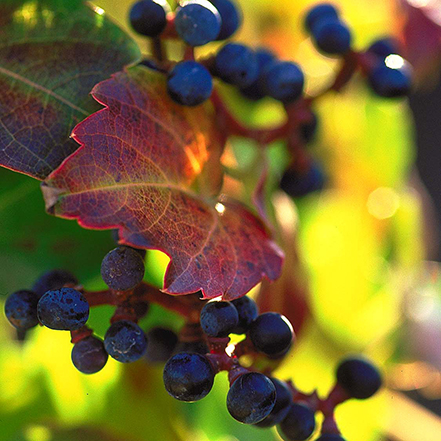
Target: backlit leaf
[
  {"x": 139, "y": 163},
  {"x": 52, "y": 52}
]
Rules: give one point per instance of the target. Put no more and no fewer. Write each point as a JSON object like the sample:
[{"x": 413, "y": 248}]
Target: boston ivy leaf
[
  {"x": 136, "y": 170},
  {"x": 52, "y": 52}
]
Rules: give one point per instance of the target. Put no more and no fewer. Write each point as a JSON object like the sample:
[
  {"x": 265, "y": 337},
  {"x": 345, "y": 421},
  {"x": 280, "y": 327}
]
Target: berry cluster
[
  {"x": 258, "y": 73},
  {"x": 201, "y": 350},
  {"x": 202, "y": 347}
]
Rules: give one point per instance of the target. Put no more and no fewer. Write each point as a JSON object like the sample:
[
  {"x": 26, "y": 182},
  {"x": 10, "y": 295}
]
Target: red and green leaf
[
  {"x": 141, "y": 159},
  {"x": 52, "y": 53}
]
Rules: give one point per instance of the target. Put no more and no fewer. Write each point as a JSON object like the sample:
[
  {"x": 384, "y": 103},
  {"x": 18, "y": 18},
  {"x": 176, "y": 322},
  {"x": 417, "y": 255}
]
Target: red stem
[
  {"x": 80, "y": 334},
  {"x": 158, "y": 49},
  {"x": 170, "y": 29},
  {"x": 97, "y": 298},
  {"x": 244, "y": 347},
  {"x": 218, "y": 345},
  {"x": 337, "y": 396},
  {"x": 189, "y": 53},
  {"x": 351, "y": 63},
  {"x": 329, "y": 425},
  {"x": 187, "y": 306}
]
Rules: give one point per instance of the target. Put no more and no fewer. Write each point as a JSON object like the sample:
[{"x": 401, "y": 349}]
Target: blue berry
[
  {"x": 189, "y": 83},
  {"x": 236, "y": 64},
  {"x": 384, "y": 47},
  {"x": 89, "y": 355},
  {"x": 148, "y": 17},
  {"x": 251, "y": 398},
  {"x": 122, "y": 268},
  {"x": 281, "y": 408},
  {"x": 283, "y": 80},
  {"x": 247, "y": 311},
  {"x": 256, "y": 90},
  {"x": 320, "y": 12},
  {"x": 330, "y": 437},
  {"x": 299, "y": 423},
  {"x": 271, "y": 333},
  {"x": 125, "y": 341},
  {"x": 390, "y": 83},
  {"x": 218, "y": 319},
  {"x": 161, "y": 344},
  {"x": 21, "y": 309},
  {"x": 54, "y": 279},
  {"x": 64, "y": 309},
  {"x": 188, "y": 376},
  {"x": 297, "y": 184},
  {"x": 198, "y": 22},
  {"x": 332, "y": 37},
  {"x": 358, "y": 377},
  {"x": 230, "y": 16}
]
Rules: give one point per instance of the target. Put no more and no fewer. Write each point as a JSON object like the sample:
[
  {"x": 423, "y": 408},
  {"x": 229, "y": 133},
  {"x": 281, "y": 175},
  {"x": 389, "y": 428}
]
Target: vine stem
[
  {"x": 351, "y": 62},
  {"x": 326, "y": 406},
  {"x": 158, "y": 49},
  {"x": 187, "y": 306}
]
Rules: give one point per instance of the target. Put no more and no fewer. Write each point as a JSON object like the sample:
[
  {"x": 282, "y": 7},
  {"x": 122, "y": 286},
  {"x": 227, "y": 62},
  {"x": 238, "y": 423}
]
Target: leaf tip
[{"x": 50, "y": 195}]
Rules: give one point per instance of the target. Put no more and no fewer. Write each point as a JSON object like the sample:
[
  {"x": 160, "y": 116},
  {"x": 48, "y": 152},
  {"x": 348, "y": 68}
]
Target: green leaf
[
  {"x": 33, "y": 242},
  {"x": 52, "y": 52}
]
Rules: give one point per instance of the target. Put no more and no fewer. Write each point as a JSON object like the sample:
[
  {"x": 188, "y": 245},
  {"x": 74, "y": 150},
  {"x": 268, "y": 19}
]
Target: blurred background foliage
[{"x": 356, "y": 250}]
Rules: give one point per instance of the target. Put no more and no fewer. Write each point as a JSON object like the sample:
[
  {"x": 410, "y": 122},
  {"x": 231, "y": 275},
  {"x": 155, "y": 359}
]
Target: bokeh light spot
[
  {"x": 383, "y": 202},
  {"x": 38, "y": 433}
]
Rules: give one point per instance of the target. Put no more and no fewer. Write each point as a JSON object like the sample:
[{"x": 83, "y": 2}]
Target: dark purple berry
[
  {"x": 54, "y": 279},
  {"x": 247, "y": 311},
  {"x": 122, "y": 268},
  {"x": 298, "y": 424},
  {"x": 89, "y": 355},
  {"x": 332, "y": 37},
  {"x": 21, "y": 309},
  {"x": 64, "y": 309},
  {"x": 218, "y": 319},
  {"x": 198, "y": 22},
  {"x": 251, "y": 398},
  {"x": 271, "y": 333},
  {"x": 230, "y": 17},
  {"x": 283, "y": 81},
  {"x": 320, "y": 12},
  {"x": 189, "y": 83},
  {"x": 358, "y": 377},
  {"x": 148, "y": 17},
  {"x": 236, "y": 64},
  {"x": 384, "y": 47},
  {"x": 281, "y": 408},
  {"x": 298, "y": 184},
  {"x": 188, "y": 376},
  {"x": 390, "y": 82},
  {"x": 125, "y": 341}
]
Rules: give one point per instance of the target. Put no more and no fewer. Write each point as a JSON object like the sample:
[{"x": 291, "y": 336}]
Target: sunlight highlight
[
  {"x": 98, "y": 10},
  {"x": 220, "y": 208},
  {"x": 27, "y": 14},
  {"x": 394, "y": 61},
  {"x": 419, "y": 3}
]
